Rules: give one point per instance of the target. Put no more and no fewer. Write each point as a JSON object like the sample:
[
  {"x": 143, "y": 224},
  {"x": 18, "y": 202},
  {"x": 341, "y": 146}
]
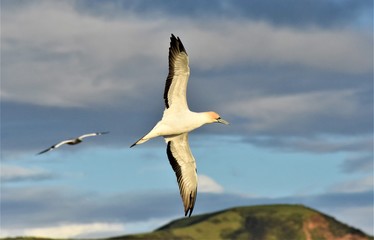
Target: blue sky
[{"x": 294, "y": 79}]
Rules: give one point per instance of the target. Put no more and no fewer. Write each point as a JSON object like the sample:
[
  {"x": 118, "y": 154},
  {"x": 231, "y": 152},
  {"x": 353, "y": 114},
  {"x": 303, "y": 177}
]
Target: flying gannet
[
  {"x": 72, "y": 141},
  {"x": 177, "y": 122}
]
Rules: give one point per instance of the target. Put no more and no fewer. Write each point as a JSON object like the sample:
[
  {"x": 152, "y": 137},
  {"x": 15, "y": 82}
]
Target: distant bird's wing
[
  {"x": 184, "y": 166},
  {"x": 92, "y": 134},
  {"x": 177, "y": 79},
  {"x": 55, "y": 146}
]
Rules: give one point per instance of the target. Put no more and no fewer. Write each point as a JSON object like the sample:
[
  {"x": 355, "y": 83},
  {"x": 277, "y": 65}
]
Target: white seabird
[
  {"x": 72, "y": 141},
  {"x": 177, "y": 122}
]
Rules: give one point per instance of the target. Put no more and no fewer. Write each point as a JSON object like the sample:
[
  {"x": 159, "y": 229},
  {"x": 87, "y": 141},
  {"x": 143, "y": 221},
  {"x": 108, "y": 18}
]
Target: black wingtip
[
  {"x": 179, "y": 44},
  {"x": 188, "y": 212},
  {"x": 132, "y": 145},
  {"x": 173, "y": 38},
  {"x": 44, "y": 151}
]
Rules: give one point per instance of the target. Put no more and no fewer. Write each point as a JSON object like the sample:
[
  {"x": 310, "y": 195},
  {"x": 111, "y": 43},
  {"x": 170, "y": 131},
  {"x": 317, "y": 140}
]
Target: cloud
[
  {"x": 268, "y": 79},
  {"x": 68, "y": 50},
  {"x": 67, "y": 57},
  {"x": 80, "y": 66},
  {"x": 360, "y": 163},
  {"x": 70, "y": 230},
  {"x": 36, "y": 205},
  {"x": 358, "y": 185},
  {"x": 207, "y": 184},
  {"x": 318, "y": 145},
  {"x": 292, "y": 79},
  {"x": 303, "y": 113},
  {"x": 11, "y": 173},
  {"x": 87, "y": 230},
  {"x": 298, "y": 14}
]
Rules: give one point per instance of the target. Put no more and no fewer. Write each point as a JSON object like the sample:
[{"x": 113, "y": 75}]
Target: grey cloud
[
  {"x": 361, "y": 163},
  {"x": 317, "y": 145},
  {"x": 290, "y": 12},
  {"x": 112, "y": 67},
  {"x": 313, "y": 113},
  {"x": 107, "y": 74},
  {"x": 29, "y": 129},
  {"x": 48, "y": 206},
  {"x": 341, "y": 200}
]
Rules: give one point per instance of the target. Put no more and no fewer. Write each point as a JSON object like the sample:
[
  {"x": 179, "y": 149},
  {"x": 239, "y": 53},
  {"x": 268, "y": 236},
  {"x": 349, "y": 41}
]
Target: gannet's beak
[{"x": 220, "y": 120}]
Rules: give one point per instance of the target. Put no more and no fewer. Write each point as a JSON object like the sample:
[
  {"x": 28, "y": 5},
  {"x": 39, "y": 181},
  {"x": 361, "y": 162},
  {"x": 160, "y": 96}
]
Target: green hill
[{"x": 268, "y": 222}]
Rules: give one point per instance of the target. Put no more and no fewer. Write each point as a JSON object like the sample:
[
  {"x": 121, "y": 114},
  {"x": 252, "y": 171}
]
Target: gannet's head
[{"x": 214, "y": 117}]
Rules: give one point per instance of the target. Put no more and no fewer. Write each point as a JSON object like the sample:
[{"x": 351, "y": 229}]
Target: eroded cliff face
[{"x": 318, "y": 227}]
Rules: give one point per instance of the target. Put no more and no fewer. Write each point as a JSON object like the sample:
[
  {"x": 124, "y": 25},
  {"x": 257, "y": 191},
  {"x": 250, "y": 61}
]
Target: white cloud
[
  {"x": 55, "y": 55},
  {"x": 69, "y": 230},
  {"x": 16, "y": 173},
  {"x": 88, "y": 230},
  {"x": 207, "y": 184},
  {"x": 148, "y": 225}
]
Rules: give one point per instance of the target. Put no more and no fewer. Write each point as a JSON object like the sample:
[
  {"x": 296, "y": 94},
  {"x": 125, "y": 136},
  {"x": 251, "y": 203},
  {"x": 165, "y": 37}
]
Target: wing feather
[
  {"x": 177, "y": 79},
  {"x": 71, "y": 141},
  {"x": 55, "y": 146},
  {"x": 92, "y": 134},
  {"x": 184, "y": 166}
]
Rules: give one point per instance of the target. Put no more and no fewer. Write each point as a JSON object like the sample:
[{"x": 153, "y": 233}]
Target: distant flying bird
[
  {"x": 177, "y": 122},
  {"x": 73, "y": 141}
]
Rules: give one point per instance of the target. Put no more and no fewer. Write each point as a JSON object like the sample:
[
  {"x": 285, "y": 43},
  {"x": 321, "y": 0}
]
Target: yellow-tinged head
[{"x": 214, "y": 117}]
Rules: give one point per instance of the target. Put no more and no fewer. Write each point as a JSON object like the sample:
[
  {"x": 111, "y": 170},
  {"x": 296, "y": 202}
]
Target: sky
[{"x": 293, "y": 78}]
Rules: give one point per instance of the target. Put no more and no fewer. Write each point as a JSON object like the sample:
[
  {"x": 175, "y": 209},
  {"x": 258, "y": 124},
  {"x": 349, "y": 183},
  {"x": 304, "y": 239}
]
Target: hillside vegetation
[{"x": 267, "y": 222}]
